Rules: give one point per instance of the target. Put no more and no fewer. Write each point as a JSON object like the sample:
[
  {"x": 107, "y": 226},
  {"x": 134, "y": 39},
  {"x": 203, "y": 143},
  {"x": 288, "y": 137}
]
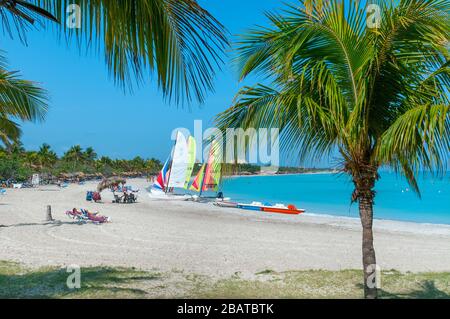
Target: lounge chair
[
  {"x": 117, "y": 199},
  {"x": 83, "y": 216}
]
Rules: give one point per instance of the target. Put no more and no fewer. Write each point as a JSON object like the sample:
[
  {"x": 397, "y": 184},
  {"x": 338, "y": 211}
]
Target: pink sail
[{"x": 212, "y": 173}]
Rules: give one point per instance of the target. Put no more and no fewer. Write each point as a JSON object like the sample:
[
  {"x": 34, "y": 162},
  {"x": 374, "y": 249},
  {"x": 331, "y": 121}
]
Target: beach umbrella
[{"x": 108, "y": 182}]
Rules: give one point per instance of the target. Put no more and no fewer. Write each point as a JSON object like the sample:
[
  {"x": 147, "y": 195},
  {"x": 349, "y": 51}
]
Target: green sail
[{"x": 190, "y": 160}]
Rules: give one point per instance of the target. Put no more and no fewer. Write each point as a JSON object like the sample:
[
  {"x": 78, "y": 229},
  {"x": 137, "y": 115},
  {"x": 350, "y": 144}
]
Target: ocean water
[{"x": 330, "y": 194}]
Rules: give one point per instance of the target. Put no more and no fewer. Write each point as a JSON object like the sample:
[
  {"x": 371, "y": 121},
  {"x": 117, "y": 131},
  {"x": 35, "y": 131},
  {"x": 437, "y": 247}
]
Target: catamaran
[
  {"x": 178, "y": 168},
  {"x": 209, "y": 176}
]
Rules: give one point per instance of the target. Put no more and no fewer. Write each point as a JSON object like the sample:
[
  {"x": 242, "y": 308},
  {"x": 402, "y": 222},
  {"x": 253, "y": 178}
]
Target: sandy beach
[{"x": 201, "y": 238}]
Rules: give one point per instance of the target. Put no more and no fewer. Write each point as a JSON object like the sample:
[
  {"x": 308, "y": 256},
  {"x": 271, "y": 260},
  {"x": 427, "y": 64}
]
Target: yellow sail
[{"x": 190, "y": 160}]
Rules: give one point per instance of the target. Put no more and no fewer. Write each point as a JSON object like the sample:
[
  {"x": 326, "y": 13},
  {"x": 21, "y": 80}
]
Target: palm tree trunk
[
  {"x": 364, "y": 179},
  {"x": 368, "y": 251}
]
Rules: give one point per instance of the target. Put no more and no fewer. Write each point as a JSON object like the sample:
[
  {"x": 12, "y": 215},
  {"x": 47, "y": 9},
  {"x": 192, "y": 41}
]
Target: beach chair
[
  {"x": 79, "y": 216},
  {"x": 82, "y": 216},
  {"x": 95, "y": 217},
  {"x": 126, "y": 198},
  {"x": 129, "y": 198},
  {"x": 117, "y": 199}
]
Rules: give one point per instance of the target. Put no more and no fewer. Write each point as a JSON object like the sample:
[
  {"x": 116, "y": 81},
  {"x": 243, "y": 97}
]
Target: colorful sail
[
  {"x": 190, "y": 160},
  {"x": 179, "y": 166},
  {"x": 198, "y": 180},
  {"x": 213, "y": 169},
  {"x": 161, "y": 180}
]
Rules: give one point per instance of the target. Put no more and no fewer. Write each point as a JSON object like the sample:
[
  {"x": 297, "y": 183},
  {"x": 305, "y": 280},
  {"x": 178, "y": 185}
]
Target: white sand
[{"x": 202, "y": 238}]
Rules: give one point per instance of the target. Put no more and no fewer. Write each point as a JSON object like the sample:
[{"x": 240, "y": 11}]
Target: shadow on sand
[{"x": 55, "y": 223}]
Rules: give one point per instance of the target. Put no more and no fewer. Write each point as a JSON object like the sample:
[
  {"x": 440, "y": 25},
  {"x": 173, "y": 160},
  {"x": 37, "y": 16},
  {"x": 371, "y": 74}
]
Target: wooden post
[{"x": 49, "y": 213}]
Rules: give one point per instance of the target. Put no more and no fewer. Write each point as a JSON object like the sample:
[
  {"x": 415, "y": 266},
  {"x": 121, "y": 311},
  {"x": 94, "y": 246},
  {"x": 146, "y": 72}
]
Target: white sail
[{"x": 177, "y": 177}]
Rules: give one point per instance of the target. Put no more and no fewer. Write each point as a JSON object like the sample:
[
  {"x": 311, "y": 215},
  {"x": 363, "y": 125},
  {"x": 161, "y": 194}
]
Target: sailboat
[
  {"x": 177, "y": 169},
  {"x": 209, "y": 176}
]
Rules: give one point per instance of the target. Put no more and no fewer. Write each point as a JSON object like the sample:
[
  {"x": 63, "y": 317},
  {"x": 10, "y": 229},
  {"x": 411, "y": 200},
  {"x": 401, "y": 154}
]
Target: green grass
[
  {"x": 17, "y": 281},
  {"x": 330, "y": 284}
]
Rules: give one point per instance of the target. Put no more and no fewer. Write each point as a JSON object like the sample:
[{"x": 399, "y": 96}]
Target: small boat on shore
[
  {"x": 257, "y": 206},
  {"x": 160, "y": 195},
  {"x": 226, "y": 204},
  {"x": 282, "y": 209},
  {"x": 268, "y": 208}
]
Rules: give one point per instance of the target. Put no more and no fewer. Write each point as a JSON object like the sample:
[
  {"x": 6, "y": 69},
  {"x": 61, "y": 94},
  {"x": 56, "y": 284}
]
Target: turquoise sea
[{"x": 330, "y": 194}]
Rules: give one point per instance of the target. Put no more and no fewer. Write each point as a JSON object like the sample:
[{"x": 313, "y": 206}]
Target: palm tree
[
  {"x": 19, "y": 100},
  {"x": 137, "y": 164},
  {"x": 31, "y": 159},
  {"x": 47, "y": 157},
  {"x": 16, "y": 148},
  {"x": 105, "y": 160},
  {"x": 176, "y": 39},
  {"x": 74, "y": 155},
  {"x": 90, "y": 155},
  {"x": 379, "y": 97}
]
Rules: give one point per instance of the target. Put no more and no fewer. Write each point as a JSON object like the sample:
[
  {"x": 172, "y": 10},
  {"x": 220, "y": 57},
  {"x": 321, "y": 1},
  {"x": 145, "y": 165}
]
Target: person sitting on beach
[{"x": 125, "y": 195}]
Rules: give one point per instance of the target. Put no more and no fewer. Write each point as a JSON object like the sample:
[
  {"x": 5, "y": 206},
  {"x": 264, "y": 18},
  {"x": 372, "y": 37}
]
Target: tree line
[{"x": 19, "y": 164}]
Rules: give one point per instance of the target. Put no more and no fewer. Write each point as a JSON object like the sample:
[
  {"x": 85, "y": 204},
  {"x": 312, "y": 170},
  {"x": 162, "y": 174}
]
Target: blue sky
[{"x": 88, "y": 109}]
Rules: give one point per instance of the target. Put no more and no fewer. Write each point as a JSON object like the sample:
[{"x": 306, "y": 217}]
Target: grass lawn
[{"x": 17, "y": 281}]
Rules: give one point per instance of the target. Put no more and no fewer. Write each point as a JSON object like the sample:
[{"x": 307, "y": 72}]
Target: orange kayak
[{"x": 291, "y": 209}]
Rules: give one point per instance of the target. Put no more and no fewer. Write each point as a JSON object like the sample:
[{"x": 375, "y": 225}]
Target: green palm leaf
[
  {"x": 19, "y": 100},
  {"x": 178, "y": 40}
]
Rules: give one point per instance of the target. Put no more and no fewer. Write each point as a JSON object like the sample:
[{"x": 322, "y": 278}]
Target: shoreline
[
  {"x": 287, "y": 174},
  {"x": 386, "y": 224}
]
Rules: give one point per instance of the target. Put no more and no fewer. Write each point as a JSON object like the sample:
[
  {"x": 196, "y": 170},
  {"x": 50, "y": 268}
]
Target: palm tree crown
[
  {"x": 379, "y": 96},
  {"x": 90, "y": 155},
  {"x": 74, "y": 154},
  {"x": 47, "y": 157}
]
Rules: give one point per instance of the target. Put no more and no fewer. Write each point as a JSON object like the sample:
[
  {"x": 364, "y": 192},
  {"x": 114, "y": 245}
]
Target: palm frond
[
  {"x": 419, "y": 138},
  {"x": 20, "y": 98},
  {"x": 10, "y": 131},
  {"x": 178, "y": 40}
]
